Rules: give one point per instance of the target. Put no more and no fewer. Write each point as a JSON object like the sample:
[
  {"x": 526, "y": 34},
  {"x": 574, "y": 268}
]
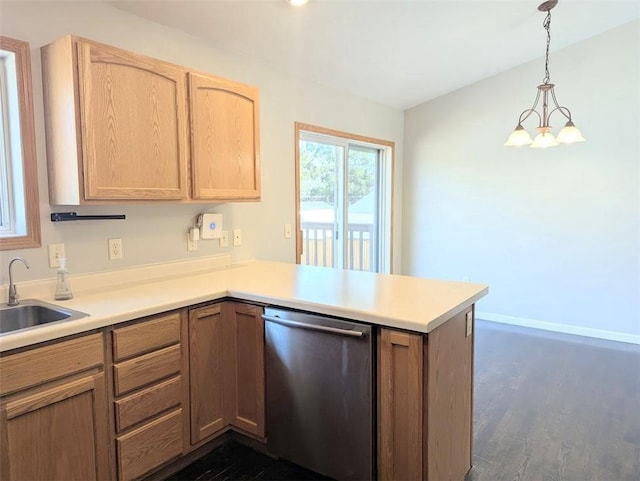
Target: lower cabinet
[
  {"x": 85, "y": 409},
  {"x": 53, "y": 412},
  {"x": 226, "y": 369},
  {"x": 180, "y": 379},
  {"x": 150, "y": 446},
  {"x": 400, "y": 405},
  {"x": 244, "y": 356},
  {"x": 206, "y": 372},
  {"x": 148, "y": 403},
  {"x": 425, "y": 386}
]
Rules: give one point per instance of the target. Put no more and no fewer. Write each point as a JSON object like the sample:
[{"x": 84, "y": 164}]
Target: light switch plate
[
  {"x": 224, "y": 239},
  {"x": 237, "y": 237}
]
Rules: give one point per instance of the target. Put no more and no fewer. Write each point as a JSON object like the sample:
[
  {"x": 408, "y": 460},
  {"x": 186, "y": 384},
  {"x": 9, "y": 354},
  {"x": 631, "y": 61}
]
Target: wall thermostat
[{"x": 210, "y": 226}]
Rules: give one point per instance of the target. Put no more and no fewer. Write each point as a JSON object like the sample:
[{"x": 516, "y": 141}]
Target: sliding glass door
[{"x": 344, "y": 202}]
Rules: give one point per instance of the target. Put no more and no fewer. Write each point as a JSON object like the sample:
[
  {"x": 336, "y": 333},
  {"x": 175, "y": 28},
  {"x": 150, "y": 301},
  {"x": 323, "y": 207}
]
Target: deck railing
[{"x": 318, "y": 241}]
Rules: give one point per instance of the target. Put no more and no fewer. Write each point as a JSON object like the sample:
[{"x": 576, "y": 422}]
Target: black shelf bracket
[{"x": 64, "y": 216}]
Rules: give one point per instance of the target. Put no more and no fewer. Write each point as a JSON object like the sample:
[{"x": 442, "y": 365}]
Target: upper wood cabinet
[
  {"x": 224, "y": 121},
  {"x": 115, "y": 124},
  {"x": 117, "y": 127}
]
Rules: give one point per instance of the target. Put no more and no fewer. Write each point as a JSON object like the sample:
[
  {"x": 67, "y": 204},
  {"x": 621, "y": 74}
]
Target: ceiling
[{"x": 399, "y": 53}]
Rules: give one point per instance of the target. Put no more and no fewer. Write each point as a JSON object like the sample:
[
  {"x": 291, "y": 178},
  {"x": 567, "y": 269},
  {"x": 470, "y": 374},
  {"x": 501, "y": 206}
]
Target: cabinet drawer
[
  {"x": 42, "y": 364},
  {"x": 143, "y": 370},
  {"x": 146, "y": 336},
  {"x": 148, "y": 402},
  {"x": 149, "y": 446}
]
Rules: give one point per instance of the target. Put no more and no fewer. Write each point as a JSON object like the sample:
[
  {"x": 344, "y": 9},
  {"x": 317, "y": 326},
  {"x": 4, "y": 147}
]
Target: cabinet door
[
  {"x": 133, "y": 125},
  {"x": 206, "y": 365},
  {"x": 400, "y": 405},
  {"x": 245, "y": 395},
  {"x": 224, "y": 121},
  {"x": 57, "y": 434}
]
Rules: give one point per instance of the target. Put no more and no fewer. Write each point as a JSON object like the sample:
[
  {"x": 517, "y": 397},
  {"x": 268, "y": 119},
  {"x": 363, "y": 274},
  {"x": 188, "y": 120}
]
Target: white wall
[
  {"x": 555, "y": 233},
  {"x": 155, "y": 233}
]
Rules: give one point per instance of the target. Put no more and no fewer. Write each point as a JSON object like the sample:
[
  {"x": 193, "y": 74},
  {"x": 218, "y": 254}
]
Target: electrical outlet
[
  {"x": 224, "y": 238},
  {"x": 115, "y": 249},
  {"x": 469, "y": 323},
  {"x": 287, "y": 231},
  {"x": 237, "y": 237},
  {"x": 55, "y": 251}
]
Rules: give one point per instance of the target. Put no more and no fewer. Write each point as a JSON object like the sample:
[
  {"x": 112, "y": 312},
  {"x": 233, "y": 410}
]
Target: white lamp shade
[
  {"x": 518, "y": 138},
  {"x": 570, "y": 134},
  {"x": 544, "y": 140}
]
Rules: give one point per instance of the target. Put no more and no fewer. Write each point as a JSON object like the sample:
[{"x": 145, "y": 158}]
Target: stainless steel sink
[{"x": 31, "y": 313}]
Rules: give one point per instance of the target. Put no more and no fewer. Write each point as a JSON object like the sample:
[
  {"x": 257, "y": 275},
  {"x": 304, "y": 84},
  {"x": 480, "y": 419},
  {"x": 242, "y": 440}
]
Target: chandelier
[{"x": 569, "y": 133}]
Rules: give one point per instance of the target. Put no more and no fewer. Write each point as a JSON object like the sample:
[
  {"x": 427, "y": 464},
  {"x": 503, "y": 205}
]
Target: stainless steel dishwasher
[{"x": 320, "y": 392}]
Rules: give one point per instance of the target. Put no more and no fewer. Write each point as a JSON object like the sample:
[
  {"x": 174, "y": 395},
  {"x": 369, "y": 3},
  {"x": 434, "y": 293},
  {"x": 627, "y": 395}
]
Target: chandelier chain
[{"x": 547, "y": 26}]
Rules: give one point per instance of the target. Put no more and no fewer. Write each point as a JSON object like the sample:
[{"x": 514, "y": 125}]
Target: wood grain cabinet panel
[
  {"x": 147, "y": 403},
  {"x": 206, "y": 364},
  {"x": 56, "y": 429},
  {"x": 143, "y": 370},
  {"x": 224, "y": 121},
  {"x": 449, "y": 369},
  {"x": 149, "y": 446},
  {"x": 400, "y": 405},
  {"x": 150, "y": 418},
  {"x": 245, "y": 385},
  {"x": 115, "y": 124},
  {"x": 227, "y": 379},
  {"x": 61, "y": 359},
  {"x": 116, "y": 129},
  {"x": 425, "y": 426},
  {"x": 144, "y": 337},
  {"x": 133, "y": 120}
]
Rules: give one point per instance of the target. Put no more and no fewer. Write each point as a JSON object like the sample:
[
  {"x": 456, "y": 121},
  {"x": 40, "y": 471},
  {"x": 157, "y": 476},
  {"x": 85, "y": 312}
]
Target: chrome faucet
[{"x": 13, "y": 294}]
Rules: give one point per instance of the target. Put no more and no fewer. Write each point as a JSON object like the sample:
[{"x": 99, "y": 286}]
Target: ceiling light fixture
[
  {"x": 545, "y": 138},
  {"x": 297, "y": 3}
]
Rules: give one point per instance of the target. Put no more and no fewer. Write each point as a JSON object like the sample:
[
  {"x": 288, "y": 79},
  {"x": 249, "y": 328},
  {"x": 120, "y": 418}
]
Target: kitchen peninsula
[{"x": 155, "y": 342}]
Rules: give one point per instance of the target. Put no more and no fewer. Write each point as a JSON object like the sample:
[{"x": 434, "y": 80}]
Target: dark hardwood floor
[
  {"x": 233, "y": 461},
  {"x": 551, "y": 406},
  {"x": 547, "y": 406}
]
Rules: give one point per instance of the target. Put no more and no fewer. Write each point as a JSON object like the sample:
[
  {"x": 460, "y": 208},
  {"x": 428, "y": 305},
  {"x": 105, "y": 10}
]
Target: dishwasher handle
[{"x": 314, "y": 327}]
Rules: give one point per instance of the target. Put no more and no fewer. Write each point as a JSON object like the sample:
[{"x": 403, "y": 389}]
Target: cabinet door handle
[{"x": 314, "y": 327}]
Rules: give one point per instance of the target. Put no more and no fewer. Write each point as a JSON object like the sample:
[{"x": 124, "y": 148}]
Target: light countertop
[{"x": 403, "y": 302}]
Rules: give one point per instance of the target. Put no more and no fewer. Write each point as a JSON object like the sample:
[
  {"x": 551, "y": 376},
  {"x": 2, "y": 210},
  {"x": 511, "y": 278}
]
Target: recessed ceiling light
[{"x": 297, "y": 3}]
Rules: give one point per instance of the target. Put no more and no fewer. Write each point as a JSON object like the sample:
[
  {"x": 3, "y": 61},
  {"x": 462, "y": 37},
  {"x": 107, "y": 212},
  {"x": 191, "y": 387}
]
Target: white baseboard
[{"x": 556, "y": 327}]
